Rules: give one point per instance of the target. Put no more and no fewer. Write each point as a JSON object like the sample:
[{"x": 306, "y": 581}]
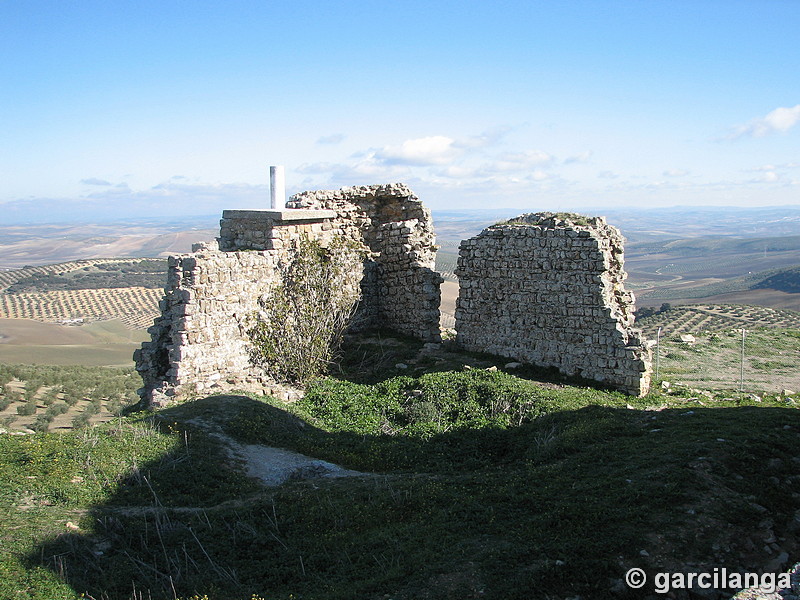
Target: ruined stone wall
[
  {"x": 549, "y": 291},
  {"x": 402, "y": 290},
  {"x": 199, "y": 343}
]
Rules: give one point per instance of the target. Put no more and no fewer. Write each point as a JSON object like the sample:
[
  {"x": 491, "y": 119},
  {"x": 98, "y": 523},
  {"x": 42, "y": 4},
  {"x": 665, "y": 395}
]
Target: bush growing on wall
[{"x": 299, "y": 324}]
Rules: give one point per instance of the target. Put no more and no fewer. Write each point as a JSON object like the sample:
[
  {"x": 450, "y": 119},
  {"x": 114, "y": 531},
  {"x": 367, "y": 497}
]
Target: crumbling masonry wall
[
  {"x": 401, "y": 287},
  {"x": 548, "y": 290},
  {"x": 199, "y": 343}
]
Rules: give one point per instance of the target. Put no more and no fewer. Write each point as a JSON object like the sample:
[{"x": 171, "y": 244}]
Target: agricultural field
[
  {"x": 136, "y": 306},
  {"x": 709, "y": 318},
  {"x": 45, "y": 244},
  {"x": 87, "y": 275},
  {"x": 85, "y": 291},
  {"x": 782, "y": 280},
  {"x": 61, "y": 398},
  {"x": 762, "y": 270},
  {"x": 100, "y": 343},
  {"x": 446, "y": 264},
  {"x": 704, "y": 346},
  {"x": 448, "y": 305}
]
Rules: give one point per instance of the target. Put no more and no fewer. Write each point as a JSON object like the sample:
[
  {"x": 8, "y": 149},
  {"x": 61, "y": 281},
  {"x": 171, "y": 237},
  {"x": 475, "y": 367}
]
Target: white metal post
[
  {"x": 277, "y": 188},
  {"x": 658, "y": 351},
  {"x": 741, "y": 363}
]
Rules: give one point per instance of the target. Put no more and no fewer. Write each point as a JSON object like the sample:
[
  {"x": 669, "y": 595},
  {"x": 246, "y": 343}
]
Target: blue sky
[{"x": 132, "y": 108}]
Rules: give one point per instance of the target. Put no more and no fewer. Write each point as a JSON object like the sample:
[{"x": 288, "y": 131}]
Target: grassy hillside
[
  {"x": 559, "y": 505},
  {"x": 782, "y": 280},
  {"x": 709, "y": 318},
  {"x": 476, "y": 484},
  {"x": 60, "y": 398}
]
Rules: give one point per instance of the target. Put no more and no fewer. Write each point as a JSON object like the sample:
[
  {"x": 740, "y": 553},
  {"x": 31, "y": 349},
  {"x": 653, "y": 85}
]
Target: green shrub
[
  {"x": 71, "y": 400},
  {"x": 57, "y": 408},
  {"x": 42, "y": 423},
  {"x": 82, "y": 420},
  {"x": 298, "y": 326},
  {"x": 27, "y": 409},
  {"x": 433, "y": 403},
  {"x": 14, "y": 396},
  {"x": 31, "y": 387}
]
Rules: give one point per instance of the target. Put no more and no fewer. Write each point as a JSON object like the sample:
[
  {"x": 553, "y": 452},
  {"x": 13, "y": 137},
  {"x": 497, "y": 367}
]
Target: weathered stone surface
[
  {"x": 549, "y": 291},
  {"x": 199, "y": 344},
  {"x": 401, "y": 289}
]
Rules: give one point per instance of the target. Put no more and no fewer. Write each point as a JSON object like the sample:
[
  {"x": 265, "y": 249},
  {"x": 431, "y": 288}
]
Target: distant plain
[{"x": 102, "y": 343}]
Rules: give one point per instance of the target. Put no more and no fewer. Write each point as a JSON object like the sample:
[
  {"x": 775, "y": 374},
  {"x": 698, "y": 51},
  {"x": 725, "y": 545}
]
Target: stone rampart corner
[{"x": 548, "y": 290}]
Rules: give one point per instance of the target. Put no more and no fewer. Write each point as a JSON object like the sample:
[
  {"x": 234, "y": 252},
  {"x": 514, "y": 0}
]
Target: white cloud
[
  {"x": 437, "y": 150},
  {"x": 484, "y": 140},
  {"x": 789, "y": 165},
  {"x": 522, "y": 160},
  {"x": 445, "y": 160},
  {"x": 364, "y": 168},
  {"x": 780, "y": 120},
  {"x": 772, "y": 173},
  {"x": 675, "y": 173},
  {"x": 431, "y": 150},
  {"x": 458, "y": 172},
  {"x": 607, "y": 175},
  {"x": 767, "y": 177},
  {"x": 518, "y": 165},
  {"x": 315, "y": 168}
]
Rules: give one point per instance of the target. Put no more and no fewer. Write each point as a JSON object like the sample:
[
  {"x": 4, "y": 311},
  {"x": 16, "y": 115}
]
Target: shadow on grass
[
  {"x": 378, "y": 355},
  {"x": 558, "y": 506}
]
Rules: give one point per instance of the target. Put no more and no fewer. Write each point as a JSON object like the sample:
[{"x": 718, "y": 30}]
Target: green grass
[
  {"x": 58, "y": 397},
  {"x": 714, "y": 360},
  {"x": 478, "y": 484},
  {"x": 66, "y": 355}
]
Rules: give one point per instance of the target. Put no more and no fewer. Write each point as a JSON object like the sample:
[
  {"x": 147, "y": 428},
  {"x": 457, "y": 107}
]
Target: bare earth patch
[{"x": 275, "y": 466}]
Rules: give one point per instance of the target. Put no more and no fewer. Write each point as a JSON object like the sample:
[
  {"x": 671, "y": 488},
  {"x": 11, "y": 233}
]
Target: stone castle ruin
[
  {"x": 548, "y": 290},
  {"x": 199, "y": 343},
  {"x": 541, "y": 290}
]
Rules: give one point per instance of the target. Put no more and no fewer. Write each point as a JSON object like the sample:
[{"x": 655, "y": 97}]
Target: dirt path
[{"x": 275, "y": 466}]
